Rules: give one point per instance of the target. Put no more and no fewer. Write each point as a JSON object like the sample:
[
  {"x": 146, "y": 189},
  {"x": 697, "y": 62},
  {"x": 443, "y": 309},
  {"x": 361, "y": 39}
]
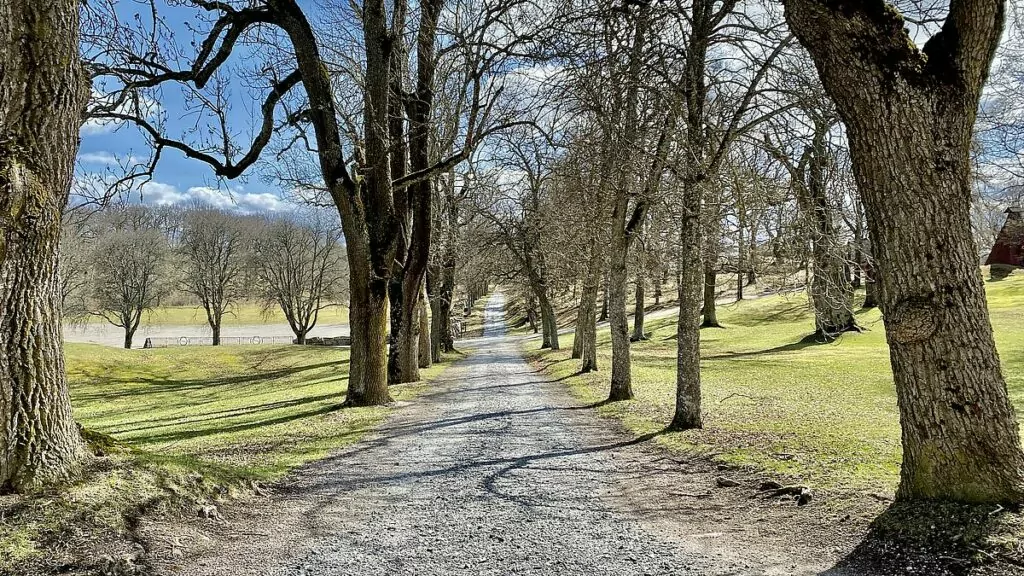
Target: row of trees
[
  {"x": 120, "y": 263},
  {"x": 679, "y": 128},
  {"x": 822, "y": 146}
]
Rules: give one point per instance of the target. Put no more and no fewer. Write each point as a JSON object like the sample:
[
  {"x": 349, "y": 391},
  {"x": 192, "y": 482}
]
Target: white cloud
[
  {"x": 97, "y": 158},
  {"x": 160, "y": 194},
  {"x": 95, "y": 126}
]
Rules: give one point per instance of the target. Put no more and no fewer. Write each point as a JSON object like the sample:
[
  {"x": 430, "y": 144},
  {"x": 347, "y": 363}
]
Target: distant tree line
[{"x": 120, "y": 263}]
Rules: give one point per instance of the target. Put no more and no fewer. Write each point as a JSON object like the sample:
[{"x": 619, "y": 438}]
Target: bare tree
[
  {"x": 129, "y": 270},
  {"x": 213, "y": 255},
  {"x": 300, "y": 268}
]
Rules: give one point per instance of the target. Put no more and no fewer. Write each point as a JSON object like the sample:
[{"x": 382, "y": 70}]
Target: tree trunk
[
  {"x": 435, "y": 312},
  {"x": 425, "y": 353},
  {"x": 586, "y": 327},
  {"x": 368, "y": 321},
  {"x": 403, "y": 357},
  {"x": 621, "y": 385},
  {"x": 604, "y": 299},
  {"x": 215, "y": 329},
  {"x": 549, "y": 323},
  {"x": 638, "y": 313},
  {"x": 870, "y": 288},
  {"x": 42, "y": 93},
  {"x": 831, "y": 292},
  {"x": 545, "y": 327},
  {"x": 710, "y": 307},
  {"x": 691, "y": 282},
  {"x": 129, "y": 335},
  {"x": 577, "y": 335},
  {"x": 445, "y": 305},
  {"x": 910, "y": 121}
]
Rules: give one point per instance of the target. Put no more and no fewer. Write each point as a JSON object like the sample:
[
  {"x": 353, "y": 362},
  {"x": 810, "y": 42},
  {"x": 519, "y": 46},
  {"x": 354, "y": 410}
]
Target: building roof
[{"x": 1009, "y": 247}]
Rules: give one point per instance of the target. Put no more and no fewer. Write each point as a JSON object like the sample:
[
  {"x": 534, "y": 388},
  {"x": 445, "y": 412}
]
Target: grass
[
  {"x": 821, "y": 413},
  {"x": 242, "y": 314},
  {"x": 178, "y": 427},
  {"x": 474, "y": 322}
]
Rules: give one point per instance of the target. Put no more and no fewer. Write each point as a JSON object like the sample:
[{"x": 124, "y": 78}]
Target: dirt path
[{"x": 498, "y": 471}]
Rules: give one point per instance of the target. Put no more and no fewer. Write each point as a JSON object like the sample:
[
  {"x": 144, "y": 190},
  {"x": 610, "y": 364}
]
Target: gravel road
[{"x": 497, "y": 471}]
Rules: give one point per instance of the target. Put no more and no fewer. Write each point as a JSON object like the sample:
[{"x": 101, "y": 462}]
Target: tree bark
[
  {"x": 586, "y": 326},
  {"x": 709, "y": 308},
  {"x": 687, "y": 413},
  {"x": 42, "y": 95},
  {"x": 604, "y": 299},
  {"x": 368, "y": 321},
  {"x": 618, "y": 322},
  {"x": 426, "y": 355},
  {"x": 909, "y": 115},
  {"x": 638, "y": 310}
]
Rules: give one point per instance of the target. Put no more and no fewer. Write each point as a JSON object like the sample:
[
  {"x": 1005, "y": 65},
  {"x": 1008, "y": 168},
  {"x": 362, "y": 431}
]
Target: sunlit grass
[
  {"x": 186, "y": 426},
  {"x": 825, "y": 413}
]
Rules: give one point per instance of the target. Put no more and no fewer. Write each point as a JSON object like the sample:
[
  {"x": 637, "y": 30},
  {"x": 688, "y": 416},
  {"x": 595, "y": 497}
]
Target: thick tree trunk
[
  {"x": 709, "y": 307},
  {"x": 368, "y": 320},
  {"x": 42, "y": 94},
  {"x": 831, "y": 294},
  {"x": 129, "y": 335},
  {"x": 910, "y": 120},
  {"x": 215, "y": 329},
  {"x": 687, "y": 413},
  {"x": 404, "y": 354},
  {"x": 638, "y": 313}
]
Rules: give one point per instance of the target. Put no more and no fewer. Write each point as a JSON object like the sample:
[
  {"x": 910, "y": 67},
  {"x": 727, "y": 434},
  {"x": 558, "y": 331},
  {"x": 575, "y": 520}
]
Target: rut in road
[{"x": 495, "y": 471}]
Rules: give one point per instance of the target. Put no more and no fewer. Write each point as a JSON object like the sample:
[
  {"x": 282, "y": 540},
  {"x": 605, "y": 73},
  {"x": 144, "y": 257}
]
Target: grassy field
[
  {"x": 180, "y": 427},
  {"x": 822, "y": 413},
  {"x": 243, "y": 314}
]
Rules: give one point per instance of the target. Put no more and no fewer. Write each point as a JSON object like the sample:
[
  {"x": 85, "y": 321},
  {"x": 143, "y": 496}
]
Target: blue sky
[{"x": 177, "y": 178}]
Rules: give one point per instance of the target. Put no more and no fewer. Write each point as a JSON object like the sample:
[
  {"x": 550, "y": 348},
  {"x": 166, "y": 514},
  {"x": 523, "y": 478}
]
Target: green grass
[
  {"x": 186, "y": 426},
  {"x": 242, "y": 314},
  {"x": 822, "y": 413}
]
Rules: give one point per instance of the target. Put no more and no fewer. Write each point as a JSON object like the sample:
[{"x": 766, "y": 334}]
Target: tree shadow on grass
[
  {"x": 238, "y": 411},
  {"x": 155, "y": 385},
  {"x": 801, "y": 344},
  {"x": 938, "y": 539},
  {"x": 191, "y": 433}
]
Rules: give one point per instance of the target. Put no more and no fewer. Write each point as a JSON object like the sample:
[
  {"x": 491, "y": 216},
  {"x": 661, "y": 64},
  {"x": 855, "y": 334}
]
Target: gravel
[{"x": 497, "y": 471}]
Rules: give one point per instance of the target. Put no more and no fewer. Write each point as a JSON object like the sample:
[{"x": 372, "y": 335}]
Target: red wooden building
[{"x": 1008, "y": 250}]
